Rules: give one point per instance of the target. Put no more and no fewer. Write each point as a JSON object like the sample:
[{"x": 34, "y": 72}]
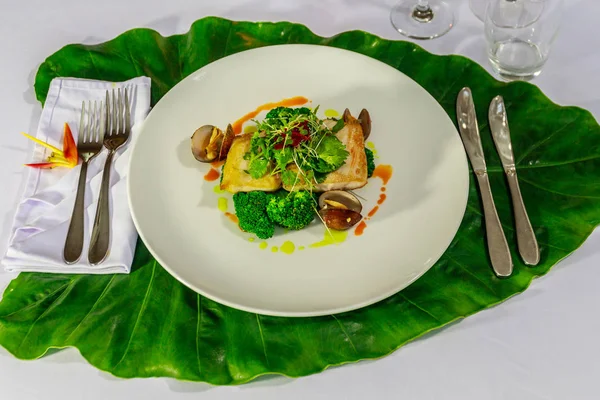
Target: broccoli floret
[
  {"x": 251, "y": 210},
  {"x": 293, "y": 210},
  {"x": 370, "y": 162}
]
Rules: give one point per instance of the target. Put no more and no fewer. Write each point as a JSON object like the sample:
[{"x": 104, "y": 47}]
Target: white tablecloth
[{"x": 543, "y": 344}]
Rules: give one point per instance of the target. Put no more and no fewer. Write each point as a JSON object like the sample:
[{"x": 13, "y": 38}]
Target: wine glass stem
[{"x": 422, "y": 12}]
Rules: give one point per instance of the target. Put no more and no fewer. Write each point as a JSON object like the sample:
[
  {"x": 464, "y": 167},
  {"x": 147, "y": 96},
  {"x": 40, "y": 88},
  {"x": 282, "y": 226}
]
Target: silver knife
[
  {"x": 469, "y": 132},
  {"x": 527, "y": 243}
]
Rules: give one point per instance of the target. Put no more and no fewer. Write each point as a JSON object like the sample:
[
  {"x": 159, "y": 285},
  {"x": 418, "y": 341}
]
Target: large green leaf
[{"x": 147, "y": 324}]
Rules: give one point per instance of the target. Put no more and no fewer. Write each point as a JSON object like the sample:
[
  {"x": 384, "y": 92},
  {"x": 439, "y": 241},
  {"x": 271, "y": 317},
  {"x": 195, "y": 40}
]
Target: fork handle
[
  {"x": 101, "y": 233},
  {"x": 74, "y": 240}
]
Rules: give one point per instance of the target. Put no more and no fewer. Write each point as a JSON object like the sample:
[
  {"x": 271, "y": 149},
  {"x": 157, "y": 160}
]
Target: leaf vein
[
  {"x": 139, "y": 316},
  {"x": 50, "y": 308},
  {"x": 460, "y": 75},
  {"x": 198, "y": 325},
  {"x": 27, "y": 307},
  {"x": 91, "y": 309},
  {"x": 262, "y": 338},
  {"x": 473, "y": 275},
  {"x": 546, "y": 139},
  {"x": 345, "y": 333},
  {"x": 576, "y": 196},
  {"x": 419, "y": 307}
]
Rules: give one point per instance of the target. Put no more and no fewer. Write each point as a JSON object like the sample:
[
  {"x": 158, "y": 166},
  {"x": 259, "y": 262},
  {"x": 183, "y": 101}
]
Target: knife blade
[
  {"x": 526, "y": 240},
  {"x": 469, "y": 131}
]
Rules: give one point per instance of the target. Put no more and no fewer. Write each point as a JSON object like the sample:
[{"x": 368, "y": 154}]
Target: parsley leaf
[
  {"x": 289, "y": 178},
  {"x": 332, "y": 152},
  {"x": 320, "y": 176},
  {"x": 283, "y": 157},
  {"x": 258, "y": 167}
]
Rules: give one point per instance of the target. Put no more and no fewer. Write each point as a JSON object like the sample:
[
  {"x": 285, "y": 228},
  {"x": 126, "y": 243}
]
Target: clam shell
[
  {"x": 338, "y": 219},
  {"x": 349, "y": 200}
]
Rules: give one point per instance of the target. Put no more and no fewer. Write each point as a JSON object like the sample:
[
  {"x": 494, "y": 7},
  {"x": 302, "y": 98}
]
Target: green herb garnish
[{"x": 295, "y": 137}]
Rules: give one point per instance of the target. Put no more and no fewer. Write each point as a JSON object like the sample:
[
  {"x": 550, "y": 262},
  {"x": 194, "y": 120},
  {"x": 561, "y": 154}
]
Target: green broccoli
[
  {"x": 251, "y": 210},
  {"x": 370, "y": 162},
  {"x": 293, "y": 210}
]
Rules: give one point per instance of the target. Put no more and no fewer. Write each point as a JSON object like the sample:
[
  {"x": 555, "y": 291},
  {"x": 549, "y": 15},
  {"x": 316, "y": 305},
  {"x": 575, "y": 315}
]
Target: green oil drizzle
[
  {"x": 223, "y": 204},
  {"x": 274, "y": 249},
  {"x": 330, "y": 113},
  {"x": 251, "y": 239},
  {"x": 371, "y": 146},
  {"x": 217, "y": 189},
  {"x": 250, "y": 129},
  {"x": 301, "y": 248},
  {"x": 331, "y": 237},
  {"x": 263, "y": 245},
  {"x": 288, "y": 247}
]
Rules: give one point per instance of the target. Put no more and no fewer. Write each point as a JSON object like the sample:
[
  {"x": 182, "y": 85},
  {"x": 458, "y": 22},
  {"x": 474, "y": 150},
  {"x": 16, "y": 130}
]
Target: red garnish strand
[{"x": 296, "y": 135}]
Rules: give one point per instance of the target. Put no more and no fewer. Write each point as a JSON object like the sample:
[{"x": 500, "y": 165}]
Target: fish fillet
[
  {"x": 351, "y": 175},
  {"x": 235, "y": 179}
]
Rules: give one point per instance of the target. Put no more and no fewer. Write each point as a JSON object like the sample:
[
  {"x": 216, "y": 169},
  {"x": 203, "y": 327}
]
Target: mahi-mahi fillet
[
  {"x": 235, "y": 179},
  {"x": 351, "y": 175}
]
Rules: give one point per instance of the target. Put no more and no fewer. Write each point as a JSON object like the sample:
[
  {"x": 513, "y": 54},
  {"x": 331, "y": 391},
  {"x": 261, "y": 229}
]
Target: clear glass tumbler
[{"x": 520, "y": 34}]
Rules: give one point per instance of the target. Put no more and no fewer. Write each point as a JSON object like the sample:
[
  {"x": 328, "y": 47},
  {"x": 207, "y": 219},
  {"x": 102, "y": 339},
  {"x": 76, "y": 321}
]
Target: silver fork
[
  {"x": 119, "y": 121},
  {"x": 89, "y": 144}
]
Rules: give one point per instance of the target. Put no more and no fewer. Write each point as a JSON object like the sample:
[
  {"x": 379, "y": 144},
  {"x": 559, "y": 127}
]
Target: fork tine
[
  {"x": 81, "y": 121},
  {"x": 101, "y": 121},
  {"x": 93, "y": 123},
  {"x": 114, "y": 115},
  {"x": 127, "y": 112},
  {"x": 107, "y": 115},
  {"x": 120, "y": 114},
  {"x": 87, "y": 134}
]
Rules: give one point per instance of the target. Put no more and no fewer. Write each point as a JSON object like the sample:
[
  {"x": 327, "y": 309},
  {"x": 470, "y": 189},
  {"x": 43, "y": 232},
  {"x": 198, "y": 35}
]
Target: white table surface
[{"x": 543, "y": 344}]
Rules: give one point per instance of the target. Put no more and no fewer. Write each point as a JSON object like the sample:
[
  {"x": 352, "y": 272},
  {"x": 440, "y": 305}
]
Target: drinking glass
[
  {"x": 520, "y": 34},
  {"x": 422, "y": 19},
  {"x": 478, "y": 8}
]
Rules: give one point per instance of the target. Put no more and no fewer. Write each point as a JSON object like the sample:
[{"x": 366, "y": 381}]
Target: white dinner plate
[{"x": 176, "y": 210}]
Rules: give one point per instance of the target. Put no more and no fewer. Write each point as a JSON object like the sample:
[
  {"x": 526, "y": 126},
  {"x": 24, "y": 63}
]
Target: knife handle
[
  {"x": 496, "y": 240},
  {"x": 527, "y": 243}
]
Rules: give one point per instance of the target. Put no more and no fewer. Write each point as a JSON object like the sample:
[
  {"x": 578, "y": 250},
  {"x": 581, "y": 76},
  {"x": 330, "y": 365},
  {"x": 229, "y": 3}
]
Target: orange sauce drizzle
[
  {"x": 292, "y": 101},
  {"x": 212, "y": 175},
  {"x": 232, "y": 217},
  {"x": 384, "y": 172},
  {"x": 373, "y": 211},
  {"x": 217, "y": 164},
  {"x": 360, "y": 228}
]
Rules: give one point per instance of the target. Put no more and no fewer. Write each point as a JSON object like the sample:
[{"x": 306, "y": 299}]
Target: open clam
[
  {"x": 340, "y": 210},
  {"x": 364, "y": 118},
  {"x": 365, "y": 122},
  {"x": 210, "y": 143},
  {"x": 340, "y": 199}
]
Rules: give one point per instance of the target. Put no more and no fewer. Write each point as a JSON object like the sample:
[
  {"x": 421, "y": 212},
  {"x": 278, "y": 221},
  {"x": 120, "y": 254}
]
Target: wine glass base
[{"x": 406, "y": 21}]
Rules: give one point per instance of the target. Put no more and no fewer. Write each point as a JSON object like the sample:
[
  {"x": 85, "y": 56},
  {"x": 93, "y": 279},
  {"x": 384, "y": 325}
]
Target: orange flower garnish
[{"x": 67, "y": 157}]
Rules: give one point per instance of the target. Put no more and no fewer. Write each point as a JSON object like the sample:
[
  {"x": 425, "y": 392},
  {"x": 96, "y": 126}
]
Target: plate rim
[{"x": 294, "y": 314}]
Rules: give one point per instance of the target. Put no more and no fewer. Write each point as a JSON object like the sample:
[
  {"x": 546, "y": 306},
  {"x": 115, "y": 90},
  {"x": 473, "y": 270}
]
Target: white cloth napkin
[{"x": 44, "y": 212}]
